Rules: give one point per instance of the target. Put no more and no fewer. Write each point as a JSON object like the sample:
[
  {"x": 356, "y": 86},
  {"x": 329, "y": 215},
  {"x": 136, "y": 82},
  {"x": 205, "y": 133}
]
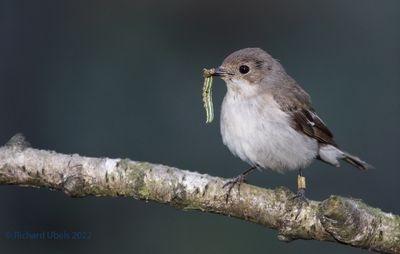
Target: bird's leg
[
  {"x": 237, "y": 180},
  {"x": 301, "y": 187}
]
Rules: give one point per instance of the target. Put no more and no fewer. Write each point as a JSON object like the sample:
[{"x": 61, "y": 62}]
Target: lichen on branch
[{"x": 336, "y": 219}]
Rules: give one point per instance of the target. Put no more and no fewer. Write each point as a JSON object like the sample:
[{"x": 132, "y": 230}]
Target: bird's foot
[
  {"x": 230, "y": 184},
  {"x": 301, "y": 195}
]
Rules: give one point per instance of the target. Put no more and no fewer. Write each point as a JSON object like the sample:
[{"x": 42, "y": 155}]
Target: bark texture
[{"x": 336, "y": 219}]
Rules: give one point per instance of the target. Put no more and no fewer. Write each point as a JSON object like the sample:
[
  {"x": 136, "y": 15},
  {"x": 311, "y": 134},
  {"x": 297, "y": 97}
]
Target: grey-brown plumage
[{"x": 267, "y": 119}]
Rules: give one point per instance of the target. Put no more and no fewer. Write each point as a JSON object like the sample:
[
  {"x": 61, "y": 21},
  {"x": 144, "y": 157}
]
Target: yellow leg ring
[{"x": 301, "y": 182}]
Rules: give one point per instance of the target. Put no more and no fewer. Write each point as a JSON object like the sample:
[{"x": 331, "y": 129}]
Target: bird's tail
[
  {"x": 355, "y": 161},
  {"x": 331, "y": 155}
]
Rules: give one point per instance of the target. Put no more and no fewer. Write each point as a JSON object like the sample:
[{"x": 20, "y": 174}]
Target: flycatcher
[{"x": 267, "y": 119}]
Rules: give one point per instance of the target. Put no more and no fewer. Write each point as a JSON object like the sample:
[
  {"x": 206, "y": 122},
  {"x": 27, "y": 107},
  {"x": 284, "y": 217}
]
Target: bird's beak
[
  {"x": 219, "y": 72},
  {"x": 216, "y": 72}
]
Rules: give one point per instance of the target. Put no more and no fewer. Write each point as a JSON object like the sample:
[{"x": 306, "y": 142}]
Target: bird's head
[{"x": 246, "y": 71}]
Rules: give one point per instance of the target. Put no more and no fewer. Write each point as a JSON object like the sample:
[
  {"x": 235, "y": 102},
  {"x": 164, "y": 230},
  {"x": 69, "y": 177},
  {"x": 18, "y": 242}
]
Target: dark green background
[{"x": 124, "y": 79}]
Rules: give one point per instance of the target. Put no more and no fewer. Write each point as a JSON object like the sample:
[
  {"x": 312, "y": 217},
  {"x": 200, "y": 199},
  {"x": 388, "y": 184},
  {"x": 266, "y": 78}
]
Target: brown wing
[
  {"x": 296, "y": 102},
  {"x": 308, "y": 122}
]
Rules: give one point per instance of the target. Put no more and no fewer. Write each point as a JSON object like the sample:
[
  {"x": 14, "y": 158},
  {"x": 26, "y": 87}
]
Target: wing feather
[{"x": 296, "y": 102}]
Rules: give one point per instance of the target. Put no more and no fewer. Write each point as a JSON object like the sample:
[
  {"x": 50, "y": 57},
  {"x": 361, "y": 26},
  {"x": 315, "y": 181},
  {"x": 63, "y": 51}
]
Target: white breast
[{"x": 258, "y": 132}]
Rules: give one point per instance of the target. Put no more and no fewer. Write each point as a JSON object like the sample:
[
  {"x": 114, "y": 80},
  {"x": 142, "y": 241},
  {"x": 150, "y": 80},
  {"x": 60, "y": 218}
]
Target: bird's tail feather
[
  {"x": 331, "y": 155},
  {"x": 355, "y": 161}
]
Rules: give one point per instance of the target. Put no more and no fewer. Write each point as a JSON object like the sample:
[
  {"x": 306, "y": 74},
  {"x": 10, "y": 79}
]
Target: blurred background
[{"x": 124, "y": 78}]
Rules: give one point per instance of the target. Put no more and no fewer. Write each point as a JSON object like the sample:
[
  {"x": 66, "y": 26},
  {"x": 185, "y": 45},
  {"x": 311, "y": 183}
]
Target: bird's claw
[
  {"x": 230, "y": 184},
  {"x": 301, "y": 195}
]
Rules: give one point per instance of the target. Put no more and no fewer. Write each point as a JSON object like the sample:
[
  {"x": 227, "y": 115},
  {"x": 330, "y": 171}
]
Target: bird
[{"x": 268, "y": 121}]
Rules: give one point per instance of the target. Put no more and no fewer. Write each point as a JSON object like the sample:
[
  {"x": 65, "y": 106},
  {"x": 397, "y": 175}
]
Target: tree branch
[{"x": 336, "y": 219}]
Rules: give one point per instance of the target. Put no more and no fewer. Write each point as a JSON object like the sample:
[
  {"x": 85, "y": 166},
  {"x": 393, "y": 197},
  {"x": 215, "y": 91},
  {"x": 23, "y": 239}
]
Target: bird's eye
[{"x": 244, "y": 69}]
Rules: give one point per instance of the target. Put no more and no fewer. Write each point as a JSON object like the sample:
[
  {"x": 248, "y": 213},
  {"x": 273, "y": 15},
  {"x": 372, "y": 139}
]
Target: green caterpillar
[{"x": 207, "y": 95}]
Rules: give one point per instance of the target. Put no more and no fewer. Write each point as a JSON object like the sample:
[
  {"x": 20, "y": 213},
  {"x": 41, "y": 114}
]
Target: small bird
[{"x": 267, "y": 119}]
